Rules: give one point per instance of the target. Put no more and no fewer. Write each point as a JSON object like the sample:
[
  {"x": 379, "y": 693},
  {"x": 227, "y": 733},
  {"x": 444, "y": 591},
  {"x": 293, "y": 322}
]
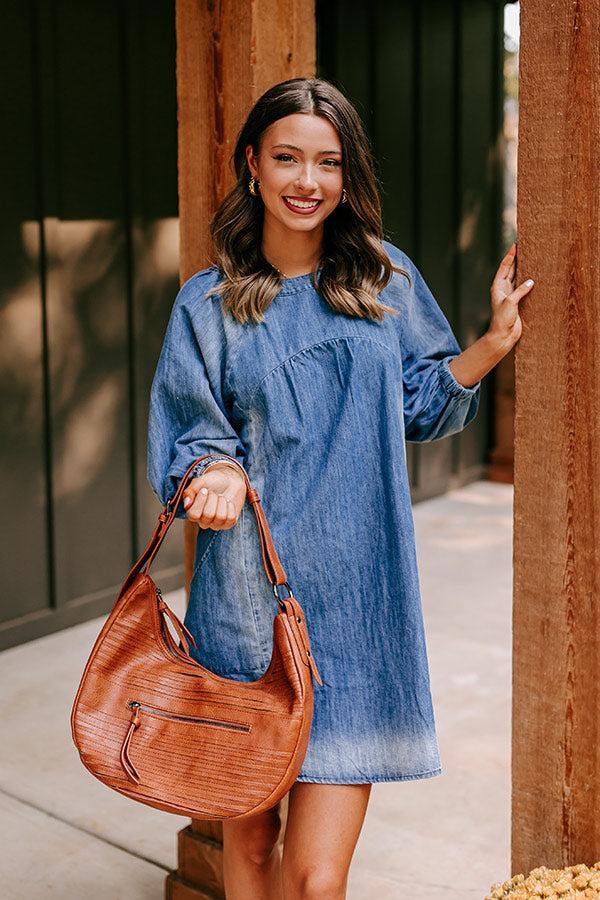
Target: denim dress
[{"x": 317, "y": 406}]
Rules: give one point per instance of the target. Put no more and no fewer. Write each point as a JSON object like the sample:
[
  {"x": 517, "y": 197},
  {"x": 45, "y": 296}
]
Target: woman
[{"x": 310, "y": 351}]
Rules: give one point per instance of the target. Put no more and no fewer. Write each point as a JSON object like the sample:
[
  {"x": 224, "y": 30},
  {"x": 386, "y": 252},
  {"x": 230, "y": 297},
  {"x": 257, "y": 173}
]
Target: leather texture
[{"x": 152, "y": 723}]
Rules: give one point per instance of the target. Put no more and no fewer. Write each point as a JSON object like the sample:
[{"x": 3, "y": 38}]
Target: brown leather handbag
[{"x": 153, "y": 724}]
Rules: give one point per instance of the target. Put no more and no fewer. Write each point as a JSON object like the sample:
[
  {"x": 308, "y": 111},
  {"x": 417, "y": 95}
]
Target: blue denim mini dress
[{"x": 316, "y": 405}]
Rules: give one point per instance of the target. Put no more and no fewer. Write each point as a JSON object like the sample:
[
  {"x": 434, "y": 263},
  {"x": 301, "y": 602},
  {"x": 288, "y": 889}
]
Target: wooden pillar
[
  {"x": 228, "y": 54},
  {"x": 556, "y": 668}
]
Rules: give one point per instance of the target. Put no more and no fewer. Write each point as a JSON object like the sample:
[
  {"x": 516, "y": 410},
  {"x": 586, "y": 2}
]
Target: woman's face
[{"x": 300, "y": 160}]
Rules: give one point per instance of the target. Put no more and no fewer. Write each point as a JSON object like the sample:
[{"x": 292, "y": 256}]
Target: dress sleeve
[
  {"x": 435, "y": 403},
  {"x": 187, "y": 416}
]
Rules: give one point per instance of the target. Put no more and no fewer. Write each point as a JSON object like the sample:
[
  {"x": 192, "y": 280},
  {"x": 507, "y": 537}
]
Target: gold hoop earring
[{"x": 252, "y": 185}]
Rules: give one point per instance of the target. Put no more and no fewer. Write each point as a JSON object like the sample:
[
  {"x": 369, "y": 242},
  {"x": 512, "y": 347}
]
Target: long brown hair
[{"x": 354, "y": 267}]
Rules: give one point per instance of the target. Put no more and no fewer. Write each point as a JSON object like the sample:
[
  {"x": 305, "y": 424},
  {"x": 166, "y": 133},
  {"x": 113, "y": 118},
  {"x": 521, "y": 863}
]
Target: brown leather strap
[{"x": 272, "y": 564}]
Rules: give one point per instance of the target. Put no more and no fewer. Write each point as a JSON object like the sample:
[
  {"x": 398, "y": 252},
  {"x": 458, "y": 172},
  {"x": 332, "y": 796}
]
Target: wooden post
[
  {"x": 556, "y": 703},
  {"x": 228, "y": 54}
]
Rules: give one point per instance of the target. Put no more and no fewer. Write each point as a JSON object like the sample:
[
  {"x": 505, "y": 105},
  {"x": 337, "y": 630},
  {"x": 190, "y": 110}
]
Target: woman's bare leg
[
  {"x": 251, "y": 857},
  {"x": 323, "y": 825}
]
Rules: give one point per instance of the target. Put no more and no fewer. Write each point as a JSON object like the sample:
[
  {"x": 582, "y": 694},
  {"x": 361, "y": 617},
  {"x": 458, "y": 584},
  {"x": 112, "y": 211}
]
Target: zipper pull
[
  {"x": 130, "y": 769},
  {"x": 180, "y": 628},
  {"x": 313, "y": 667}
]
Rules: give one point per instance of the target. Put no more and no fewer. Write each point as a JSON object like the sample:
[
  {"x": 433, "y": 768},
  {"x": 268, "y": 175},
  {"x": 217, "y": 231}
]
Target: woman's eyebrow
[{"x": 299, "y": 150}]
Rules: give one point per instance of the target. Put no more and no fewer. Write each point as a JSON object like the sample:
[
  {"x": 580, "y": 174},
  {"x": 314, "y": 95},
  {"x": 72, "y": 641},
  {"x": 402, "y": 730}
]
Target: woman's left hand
[{"x": 505, "y": 325}]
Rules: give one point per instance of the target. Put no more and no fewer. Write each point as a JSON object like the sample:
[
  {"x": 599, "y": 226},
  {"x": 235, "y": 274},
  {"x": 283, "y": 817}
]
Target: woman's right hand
[{"x": 215, "y": 499}]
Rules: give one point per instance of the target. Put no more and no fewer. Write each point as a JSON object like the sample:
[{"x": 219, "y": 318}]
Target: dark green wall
[{"x": 88, "y": 272}]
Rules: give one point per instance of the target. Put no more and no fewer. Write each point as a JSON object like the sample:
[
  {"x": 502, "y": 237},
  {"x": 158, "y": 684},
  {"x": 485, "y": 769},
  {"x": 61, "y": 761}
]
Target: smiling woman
[
  {"x": 306, "y": 199},
  {"x": 283, "y": 356}
]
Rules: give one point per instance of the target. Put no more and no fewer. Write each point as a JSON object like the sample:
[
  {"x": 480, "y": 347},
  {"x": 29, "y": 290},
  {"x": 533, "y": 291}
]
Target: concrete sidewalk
[{"x": 65, "y": 835}]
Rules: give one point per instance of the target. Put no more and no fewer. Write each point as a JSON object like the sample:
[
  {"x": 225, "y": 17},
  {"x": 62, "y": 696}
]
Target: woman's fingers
[
  {"x": 218, "y": 512},
  {"x": 217, "y": 496},
  {"x": 508, "y": 263},
  {"x": 189, "y": 495},
  {"x": 212, "y": 510},
  {"x": 523, "y": 289}
]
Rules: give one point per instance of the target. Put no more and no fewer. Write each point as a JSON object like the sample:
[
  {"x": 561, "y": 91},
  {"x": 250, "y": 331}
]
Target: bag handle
[{"x": 272, "y": 563}]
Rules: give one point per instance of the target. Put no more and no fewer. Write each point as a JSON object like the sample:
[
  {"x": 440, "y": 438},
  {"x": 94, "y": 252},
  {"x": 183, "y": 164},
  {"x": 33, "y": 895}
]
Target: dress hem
[{"x": 372, "y": 779}]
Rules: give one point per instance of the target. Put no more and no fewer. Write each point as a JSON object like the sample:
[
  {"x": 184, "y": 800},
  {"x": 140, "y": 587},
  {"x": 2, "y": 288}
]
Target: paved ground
[{"x": 65, "y": 836}]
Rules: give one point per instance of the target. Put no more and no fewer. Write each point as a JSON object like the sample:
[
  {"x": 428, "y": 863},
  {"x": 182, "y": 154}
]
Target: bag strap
[{"x": 273, "y": 567}]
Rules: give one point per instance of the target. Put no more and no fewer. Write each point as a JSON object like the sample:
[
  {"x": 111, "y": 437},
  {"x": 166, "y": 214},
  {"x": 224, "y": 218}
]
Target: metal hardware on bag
[
  {"x": 287, "y": 584},
  {"x": 280, "y": 599}
]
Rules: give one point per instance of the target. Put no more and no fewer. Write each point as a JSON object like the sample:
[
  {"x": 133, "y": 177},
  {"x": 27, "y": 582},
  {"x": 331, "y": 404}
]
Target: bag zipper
[{"x": 196, "y": 720}]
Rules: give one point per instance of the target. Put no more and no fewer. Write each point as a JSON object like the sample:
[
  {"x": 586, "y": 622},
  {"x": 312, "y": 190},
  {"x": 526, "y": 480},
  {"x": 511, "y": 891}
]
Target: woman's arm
[
  {"x": 435, "y": 404},
  {"x": 187, "y": 415},
  {"x": 472, "y": 364}
]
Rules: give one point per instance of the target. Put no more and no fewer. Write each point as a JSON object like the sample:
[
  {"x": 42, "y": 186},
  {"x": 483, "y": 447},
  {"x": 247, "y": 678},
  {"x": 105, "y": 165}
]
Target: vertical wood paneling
[
  {"x": 87, "y": 287},
  {"x": 90, "y": 250},
  {"x": 435, "y": 185},
  {"x": 151, "y": 127},
  {"x": 355, "y": 25},
  {"x": 394, "y": 131},
  {"x": 478, "y": 227},
  {"x": 23, "y": 497},
  {"x": 395, "y": 118}
]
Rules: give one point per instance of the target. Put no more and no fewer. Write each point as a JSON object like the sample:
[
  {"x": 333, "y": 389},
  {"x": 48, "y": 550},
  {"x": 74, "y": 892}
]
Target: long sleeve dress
[{"x": 316, "y": 405}]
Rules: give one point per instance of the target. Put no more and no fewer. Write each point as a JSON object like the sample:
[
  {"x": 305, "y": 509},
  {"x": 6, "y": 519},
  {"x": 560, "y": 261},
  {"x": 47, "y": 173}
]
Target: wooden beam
[
  {"x": 228, "y": 54},
  {"x": 556, "y": 703}
]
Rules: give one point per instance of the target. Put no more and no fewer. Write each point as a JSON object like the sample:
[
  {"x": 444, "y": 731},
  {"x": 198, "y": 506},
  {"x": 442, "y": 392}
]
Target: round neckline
[
  {"x": 294, "y": 284},
  {"x": 297, "y": 283}
]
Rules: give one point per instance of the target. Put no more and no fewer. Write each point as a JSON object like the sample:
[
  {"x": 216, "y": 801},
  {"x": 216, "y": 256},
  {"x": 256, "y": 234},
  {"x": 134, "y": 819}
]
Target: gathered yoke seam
[{"x": 359, "y": 337}]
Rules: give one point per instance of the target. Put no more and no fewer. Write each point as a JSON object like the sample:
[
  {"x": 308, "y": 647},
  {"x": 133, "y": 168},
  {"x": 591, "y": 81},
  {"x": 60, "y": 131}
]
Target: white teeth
[{"x": 303, "y": 204}]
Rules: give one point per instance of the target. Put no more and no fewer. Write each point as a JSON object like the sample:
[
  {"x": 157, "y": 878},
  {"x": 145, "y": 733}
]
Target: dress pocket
[{"x": 220, "y": 613}]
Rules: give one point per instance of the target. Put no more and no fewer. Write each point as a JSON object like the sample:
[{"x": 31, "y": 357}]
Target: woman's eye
[{"x": 284, "y": 157}]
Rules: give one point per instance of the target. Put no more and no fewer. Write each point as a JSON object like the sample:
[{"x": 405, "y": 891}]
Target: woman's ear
[{"x": 251, "y": 159}]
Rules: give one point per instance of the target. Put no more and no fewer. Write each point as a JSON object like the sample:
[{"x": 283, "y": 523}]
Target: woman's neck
[{"x": 291, "y": 252}]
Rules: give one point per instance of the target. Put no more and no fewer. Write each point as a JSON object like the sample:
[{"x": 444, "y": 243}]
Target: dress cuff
[
  {"x": 201, "y": 466},
  {"x": 453, "y": 387}
]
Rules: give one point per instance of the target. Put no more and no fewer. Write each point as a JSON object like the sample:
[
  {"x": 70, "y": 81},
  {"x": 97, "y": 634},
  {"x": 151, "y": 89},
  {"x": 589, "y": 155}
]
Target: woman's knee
[
  {"x": 253, "y": 838},
  {"x": 315, "y": 882}
]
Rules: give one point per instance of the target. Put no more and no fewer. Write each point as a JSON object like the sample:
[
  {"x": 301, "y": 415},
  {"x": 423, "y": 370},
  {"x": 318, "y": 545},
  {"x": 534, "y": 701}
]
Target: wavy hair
[{"x": 353, "y": 265}]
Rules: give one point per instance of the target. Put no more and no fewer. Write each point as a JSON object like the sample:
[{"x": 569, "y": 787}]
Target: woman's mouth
[{"x": 302, "y": 207}]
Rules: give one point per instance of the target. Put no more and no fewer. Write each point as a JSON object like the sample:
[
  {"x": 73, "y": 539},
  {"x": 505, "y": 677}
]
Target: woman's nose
[{"x": 306, "y": 179}]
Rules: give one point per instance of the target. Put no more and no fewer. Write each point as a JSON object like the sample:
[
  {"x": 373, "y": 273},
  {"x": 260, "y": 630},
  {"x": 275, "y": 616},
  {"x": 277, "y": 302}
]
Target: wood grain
[{"x": 555, "y": 747}]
